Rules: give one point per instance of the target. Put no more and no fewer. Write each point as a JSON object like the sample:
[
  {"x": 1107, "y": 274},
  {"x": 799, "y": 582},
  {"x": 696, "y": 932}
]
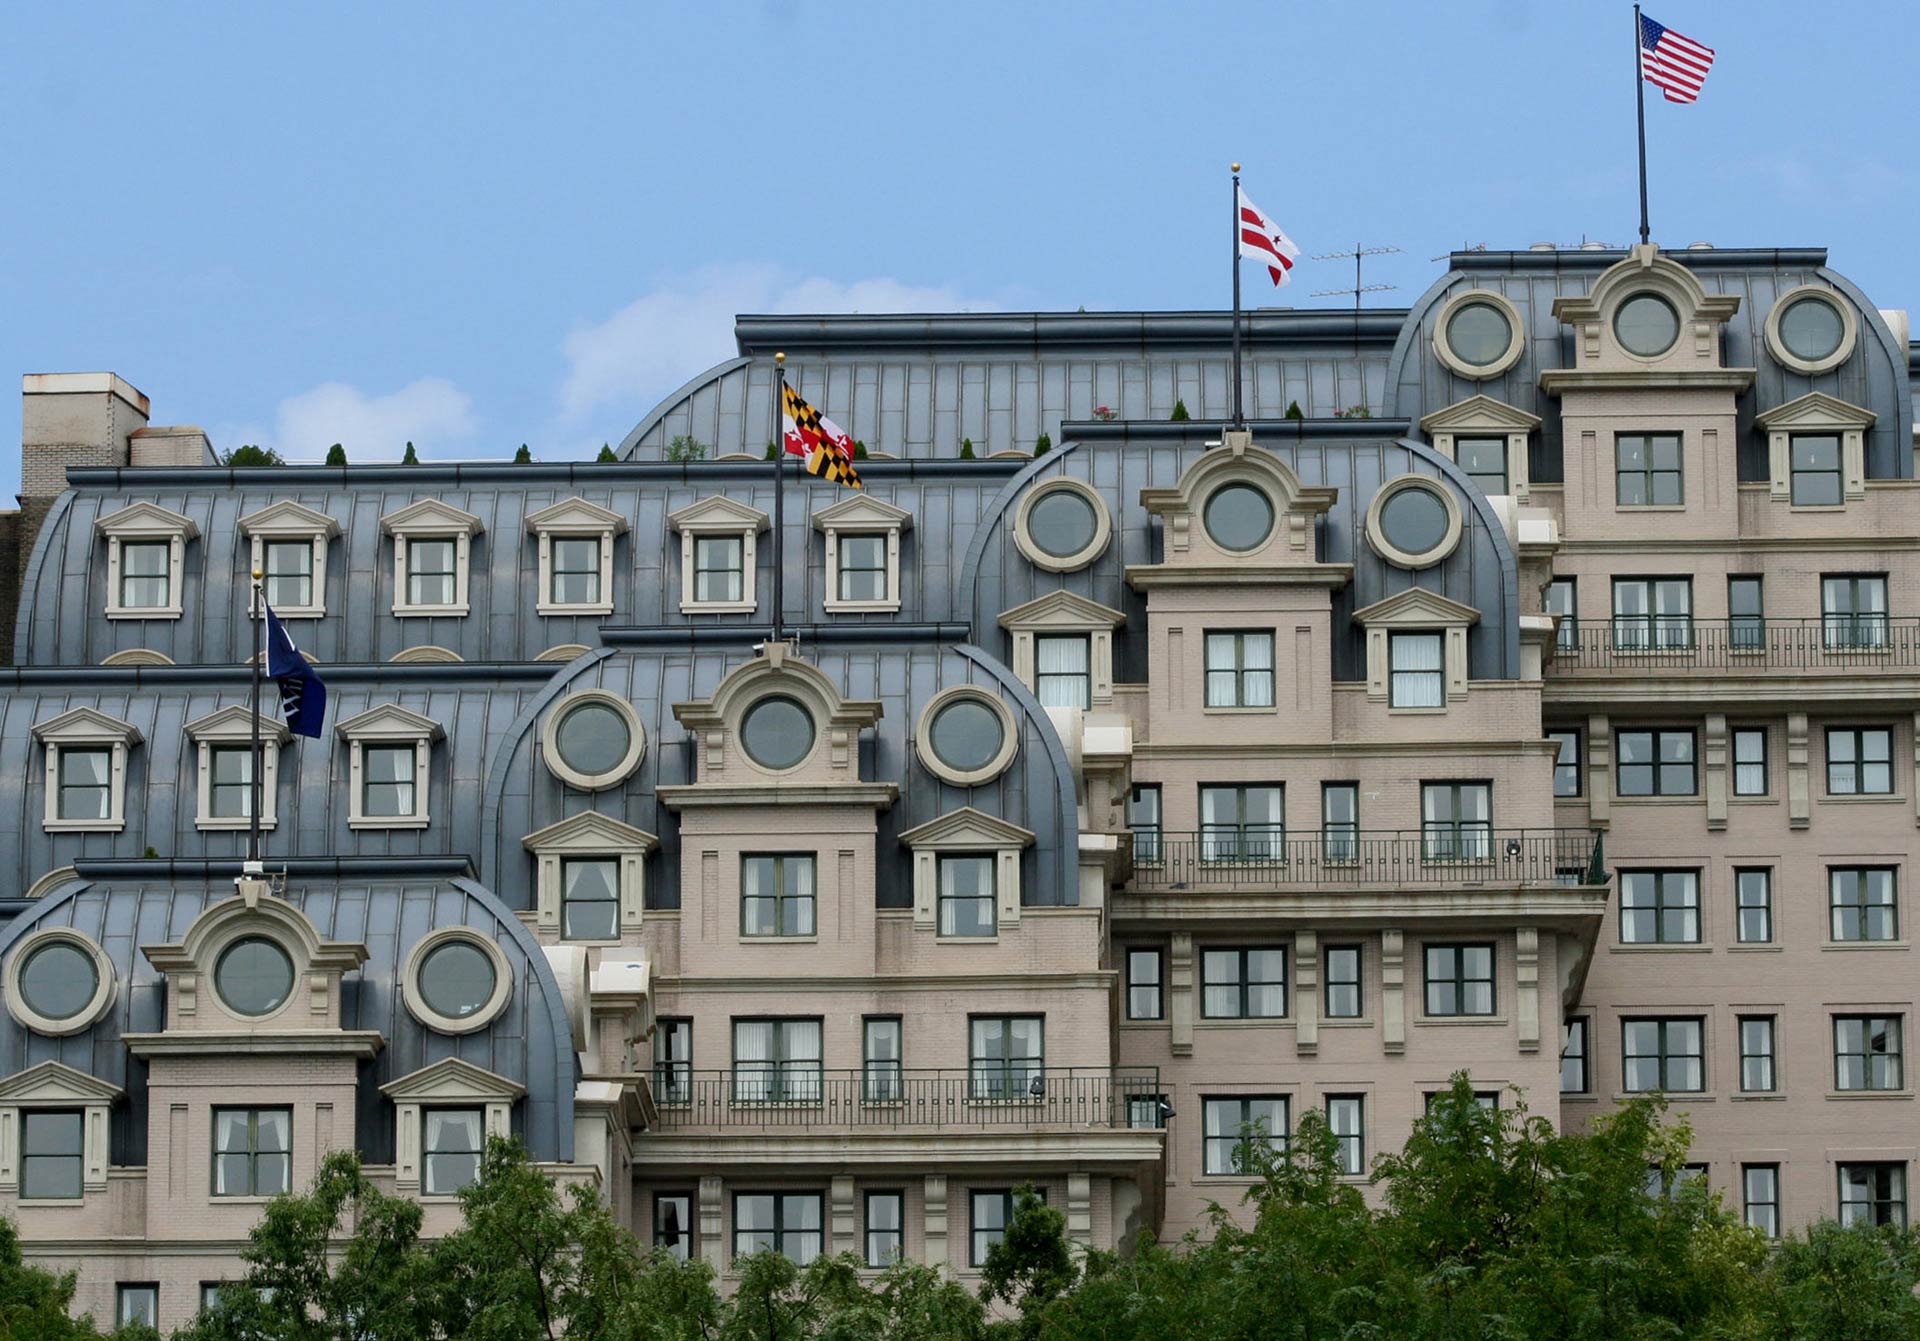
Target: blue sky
[{"x": 477, "y": 225}]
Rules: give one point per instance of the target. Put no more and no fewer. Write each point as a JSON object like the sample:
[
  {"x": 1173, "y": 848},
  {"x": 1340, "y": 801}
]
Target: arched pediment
[
  {"x": 137, "y": 656},
  {"x": 1185, "y": 512},
  {"x": 834, "y": 755},
  {"x": 229, "y": 919},
  {"x": 1646, "y": 268},
  {"x": 1239, "y": 459},
  {"x": 777, "y": 670}
]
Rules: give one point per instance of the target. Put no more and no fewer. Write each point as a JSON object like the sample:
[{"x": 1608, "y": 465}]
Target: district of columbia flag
[
  {"x": 303, "y": 698},
  {"x": 1675, "y": 65},
  {"x": 1263, "y": 240}
]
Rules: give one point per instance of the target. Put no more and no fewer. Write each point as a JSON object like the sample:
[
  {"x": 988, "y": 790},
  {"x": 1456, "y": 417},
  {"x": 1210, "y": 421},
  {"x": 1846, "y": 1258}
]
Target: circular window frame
[
  {"x": 1243, "y": 481},
  {"x": 813, "y": 711},
  {"x": 1786, "y": 358},
  {"x": 1673, "y": 305},
  {"x": 105, "y": 983},
  {"x": 1036, "y": 554},
  {"x": 934, "y": 764},
  {"x": 1479, "y": 372},
  {"x": 1393, "y": 554},
  {"x": 253, "y": 931},
  {"x": 416, "y": 999},
  {"x": 593, "y": 782}
]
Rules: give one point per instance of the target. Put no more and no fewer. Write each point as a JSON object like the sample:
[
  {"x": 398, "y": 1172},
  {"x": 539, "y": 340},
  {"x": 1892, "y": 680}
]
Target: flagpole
[
  {"x": 1640, "y": 103},
  {"x": 253, "y": 770},
  {"x": 779, "y": 495},
  {"x": 1239, "y": 419}
]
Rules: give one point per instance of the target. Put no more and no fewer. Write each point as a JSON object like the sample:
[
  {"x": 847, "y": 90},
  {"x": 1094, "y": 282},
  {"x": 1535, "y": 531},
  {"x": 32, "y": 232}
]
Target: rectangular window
[
  {"x": 1456, "y": 821},
  {"x": 1663, "y": 1054},
  {"x": 1346, "y": 1119},
  {"x": 886, "y": 1218},
  {"x": 1243, "y": 984},
  {"x": 1485, "y": 462},
  {"x": 146, "y": 575},
  {"x": 1416, "y": 678},
  {"x": 1063, "y": 670},
  {"x": 1656, "y": 763},
  {"x": 1459, "y": 979},
  {"x": 1814, "y": 462},
  {"x": 673, "y": 1060},
  {"x": 1487, "y": 1099},
  {"x": 86, "y": 782},
  {"x": 1756, "y": 1054},
  {"x": 210, "y": 1294},
  {"x": 1750, "y": 761},
  {"x": 788, "y": 1223},
  {"x": 430, "y": 572},
  {"x": 673, "y": 1224},
  {"x": 289, "y": 567},
  {"x": 1144, "y": 1111},
  {"x": 51, "y": 1154},
  {"x": 576, "y": 570},
  {"x": 1235, "y": 1126},
  {"x": 776, "y": 1061},
  {"x": 136, "y": 1305},
  {"x": 1760, "y": 1193},
  {"x": 452, "y": 1141},
  {"x": 1240, "y": 670},
  {"x": 1746, "y": 615},
  {"x": 1863, "y": 902},
  {"x": 1144, "y": 982},
  {"x": 1574, "y": 1076},
  {"x": 1659, "y": 907},
  {"x": 230, "y": 781},
  {"x": 252, "y": 1151},
  {"x": 1340, "y": 821},
  {"x": 1647, "y": 470},
  {"x": 1563, "y": 600},
  {"x": 719, "y": 568},
  {"x": 1342, "y": 967},
  {"x": 1652, "y": 613},
  {"x": 1006, "y": 1056},
  {"x": 989, "y": 1212},
  {"x": 1853, "y": 610},
  {"x": 1143, "y": 820},
  {"x": 1874, "y": 1194},
  {"x": 1866, "y": 1052},
  {"x": 863, "y": 567},
  {"x": 1859, "y": 761},
  {"x": 777, "y": 894},
  {"x": 590, "y": 898},
  {"x": 1243, "y": 823},
  {"x": 882, "y": 1051},
  {"x": 1566, "y": 762},
  {"x": 1753, "y": 905},
  {"x": 387, "y": 782},
  {"x": 969, "y": 905}
]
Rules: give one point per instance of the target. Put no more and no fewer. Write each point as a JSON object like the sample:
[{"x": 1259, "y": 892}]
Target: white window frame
[
  {"x": 1816, "y": 412},
  {"x": 447, "y": 1083},
  {"x": 966, "y": 831},
  {"x": 575, "y": 519},
  {"x": 233, "y": 725},
  {"x": 861, "y": 515},
  {"x": 54, "y": 1084},
  {"x": 1417, "y": 611},
  {"x": 589, "y": 834},
  {"x": 390, "y": 724},
  {"x": 147, "y": 521},
  {"x": 1063, "y": 612},
  {"x": 710, "y": 517},
  {"x": 430, "y": 519},
  {"x": 1481, "y": 416},
  {"x": 90, "y": 729},
  {"x": 287, "y": 520}
]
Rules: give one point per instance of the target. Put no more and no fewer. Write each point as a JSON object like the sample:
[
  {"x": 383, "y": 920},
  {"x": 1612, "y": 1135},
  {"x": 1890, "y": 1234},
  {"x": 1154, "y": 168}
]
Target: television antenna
[
  {"x": 1468, "y": 246},
  {"x": 1357, "y": 256}
]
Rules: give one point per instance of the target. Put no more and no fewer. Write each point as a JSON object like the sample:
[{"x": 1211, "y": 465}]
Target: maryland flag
[{"x": 807, "y": 433}]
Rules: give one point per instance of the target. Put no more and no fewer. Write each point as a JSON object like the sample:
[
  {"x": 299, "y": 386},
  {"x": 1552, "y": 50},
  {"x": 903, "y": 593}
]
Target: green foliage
[
  {"x": 966, "y": 449},
  {"x": 1293, "y": 410},
  {"x": 859, "y": 450},
  {"x": 1042, "y": 444},
  {"x": 606, "y": 453},
  {"x": 336, "y": 455},
  {"x": 34, "y": 1302},
  {"x": 1032, "y": 1265},
  {"x": 250, "y": 455},
  {"x": 1856, "y": 1282},
  {"x": 1180, "y": 411},
  {"x": 773, "y": 451},
  {"x": 685, "y": 447},
  {"x": 410, "y": 457},
  {"x": 523, "y": 457}
]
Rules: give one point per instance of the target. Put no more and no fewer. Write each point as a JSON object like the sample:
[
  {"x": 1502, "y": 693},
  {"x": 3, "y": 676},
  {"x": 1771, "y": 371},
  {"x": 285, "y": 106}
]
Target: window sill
[
  {"x": 157, "y": 612},
  {"x": 1468, "y": 1020},
  {"x": 718, "y": 607},
  {"x": 420, "y": 823},
  {"x": 1686, "y": 799},
  {"x": 83, "y": 826},
  {"x": 1866, "y": 945},
  {"x": 1345, "y": 1022},
  {"x": 209, "y": 825},
  {"x": 1245, "y": 1022},
  {"x": 1649, "y": 507},
  {"x": 50, "y": 1202},
  {"x": 1237, "y": 710},
  {"x": 1757, "y": 1097},
  {"x": 1768, "y": 949},
  {"x": 600, "y": 608},
  {"x": 861, "y": 607},
  {"x": 1654, "y": 947},
  {"x": 429, "y": 611},
  {"x": 1763, "y": 799},
  {"x": 1869, "y": 1094},
  {"x": 300, "y": 612},
  {"x": 1416, "y": 712},
  {"x": 1863, "y": 799},
  {"x": 811, "y": 938},
  {"x": 967, "y": 940},
  {"x": 1673, "y": 1096},
  {"x": 216, "y": 1199}
]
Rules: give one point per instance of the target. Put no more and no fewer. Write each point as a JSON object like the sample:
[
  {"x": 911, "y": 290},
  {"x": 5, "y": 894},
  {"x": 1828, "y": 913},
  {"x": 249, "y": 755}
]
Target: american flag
[{"x": 1676, "y": 65}]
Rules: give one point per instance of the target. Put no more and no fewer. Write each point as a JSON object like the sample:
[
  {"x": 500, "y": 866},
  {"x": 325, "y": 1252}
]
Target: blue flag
[{"x": 303, "y": 699}]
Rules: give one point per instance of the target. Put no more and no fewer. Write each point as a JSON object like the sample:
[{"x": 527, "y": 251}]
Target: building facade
[{"x": 1530, "y": 690}]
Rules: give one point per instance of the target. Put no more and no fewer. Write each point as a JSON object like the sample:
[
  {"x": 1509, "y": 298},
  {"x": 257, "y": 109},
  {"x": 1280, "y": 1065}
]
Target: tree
[
  {"x": 606, "y": 453},
  {"x": 410, "y": 457},
  {"x": 336, "y": 455},
  {"x": 523, "y": 457},
  {"x": 1042, "y": 444},
  {"x": 685, "y": 447},
  {"x": 1856, "y": 1282},
  {"x": 251, "y": 455},
  {"x": 1293, "y": 410},
  {"x": 1032, "y": 1265},
  {"x": 966, "y": 449},
  {"x": 1179, "y": 411},
  {"x": 859, "y": 450},
  {"x": 34, "y": 1303}
]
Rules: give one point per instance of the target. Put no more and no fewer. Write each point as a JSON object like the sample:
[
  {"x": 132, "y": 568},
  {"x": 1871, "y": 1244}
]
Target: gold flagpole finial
[
  {"x": 257, "y": 575},
  {"x": 780, "y": 357},
  {"x": 1236, "y": 167}
]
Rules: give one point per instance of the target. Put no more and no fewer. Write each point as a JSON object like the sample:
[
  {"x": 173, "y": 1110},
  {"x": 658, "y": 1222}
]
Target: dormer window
[
  {"x": 53, "y": 1133},
  {"x": 966, "y": 873},
  {"x": 863, "y": 568},
  {"x": 718, "y": 542},
  {"x": 443, "y": 1115},
  {"x": 719, "y": 569},
  {"x": 432, "y": 555},
  {"x": 146, "y": 561},
  {"x": 1416, "y": 650},
  {"x": 1417, "y": 677},
  {"x": 390, "y": 753},
  {"x": 225, "y": 745},
  {"x": 1063, "y": 648},
  {"x": 863, "y": 554},
  {"x": 1487, "y": 439},
  {"x": 290, "y": 545},
  {"x": 1816, "y": 449},
  {"x": 86, "y": 771},
  {"x": 576, "y": 557},
  {"x": 590, "y": 877},
  {"x": 1814, "y": 465}
]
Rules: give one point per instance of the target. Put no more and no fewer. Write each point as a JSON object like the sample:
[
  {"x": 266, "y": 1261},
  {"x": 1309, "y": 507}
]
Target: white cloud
[{"x": 432, "y": 413}]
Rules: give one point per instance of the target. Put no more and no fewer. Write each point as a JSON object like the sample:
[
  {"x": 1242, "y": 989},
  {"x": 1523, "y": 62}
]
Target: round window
[
  {"x": 58, "y": 980},
  {"x": 1415, "y": 521},
  {"x": 777, "y": 732},
  {"x": 1062, "y": 523},
  {"x": 254, "y": 976},
  {"x": 457, "y": 979},
  {"x": 1479, "y": 334},
  {"x": 593, "y": 739},
  {"x": 1646, "y": 324},
  {"x": 1811, "y": 329},
  {"x": 1238, "y": 517},
  {"x": 967, "y": 735}
]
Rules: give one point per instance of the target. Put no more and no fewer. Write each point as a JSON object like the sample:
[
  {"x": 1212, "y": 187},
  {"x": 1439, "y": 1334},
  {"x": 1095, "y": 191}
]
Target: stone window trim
[
  {"x": 1053, "y": 563},
  {"x": 1065, "y": 612},
  {"x": 87, "y": 1015},
  {"x": 1597, "y": 345},
  {"x": 86, "y": 728},
  {"x": 578, "y": 519},
  {"x": 287, "y": 520},
  {"x": 994, "y": 767},
  {"x": 1482, "y": 416},
  {"x": 718, "y": 516},
  {"x": 390, "y": 724},
  {"x": 621, "y": 771},
  {"x": 966, "y": 830},
  {"x": 146, "y": 521},
  {"x": 1181, "y": 508},
  {"x": 1416, "y": 610},
  {"x": 1393, "y": 554},
  {"x": 589, "y": 834},
  {"x": 447, "y": 1083},
  {"x": 430, "y": 519},
  {"x": 54, "y": 1084},
  {"x": 416, "y": 999},
  {"x": 233, "y": 725},
  {"x": 775, "y": 672},
  {"x": 137, "y": 656},
  {"x": 1516, "y": 339},
  {"x": 564, "y": 652},
  {"x": 1849, "y": 330},
  {"x": 426, "y": 653},
  {"x": 1815, "y": 412},
  {"x": 861, "y": 515}
]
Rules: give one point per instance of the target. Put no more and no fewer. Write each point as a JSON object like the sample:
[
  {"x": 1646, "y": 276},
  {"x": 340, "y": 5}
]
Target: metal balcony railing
[
  {"x": 1438, "y": 854},
  {"x": 1675, "y": 644},
  {"x": 1009, "y": 1094}
]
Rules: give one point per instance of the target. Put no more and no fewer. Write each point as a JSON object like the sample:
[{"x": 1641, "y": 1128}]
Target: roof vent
[
  {"x": 1593, "y": 246},
  {"x": 1543, "y": 246},
  {"x": 1699, "y": 246}
]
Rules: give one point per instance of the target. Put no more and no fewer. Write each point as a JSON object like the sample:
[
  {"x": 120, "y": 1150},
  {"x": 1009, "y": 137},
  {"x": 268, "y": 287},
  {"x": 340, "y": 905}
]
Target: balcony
[
  {"x": 1441, "y": 854},
  {"x": 1025, "y": 1096},
  {"x": 1674, "y": 645}
]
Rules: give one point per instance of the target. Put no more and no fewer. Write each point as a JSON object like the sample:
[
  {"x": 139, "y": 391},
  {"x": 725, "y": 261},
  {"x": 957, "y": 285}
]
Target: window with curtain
[
  {"x": 1659, "y": 907},
  {"x": 590, "y": 898},
  {"x": 576, "y": 570},
  {"x": 673, "y": 1060},
  {"x": 1756, "y": 1053},
  {"x": 1459, "y": 979},
  {"x": 430, "y": 572},
  {"x": 969, "y": 903},
  {"x": 1655, "y": 763},
  {"x": 86, "y": 786},
  {"x": 1063, "y": 670},
  {"x": 1562, "y": 600},
  {"x": 788, "y": 1223},
  {"x": 673, "y": 1223},
  {"x": 1243, "y": 983},
  {"x": 882, "y": 1048},
  {"x": 1574, "y": 1078},
  {"x": 230, "y": 781},
  {"x": 387, "y": 782},
  {"x": 1143, "y": 820},
  {"x": 1234, "y": 1128},
  {"x": 1853, "y": 610},
  {"x": 863, "y": 567},
  {"x": 1866, "y": 1052},
  {"x": 1346, "y": 1119},
  {"x": 1341, "y": 966},
  {"x": 1006, "y": 1056},
  {"x": 1416, "y": 676},
  {"x": 777, "y": 895},
  {"x": 289, "y": 569},
  {"x": 1753, "y": 900},
  {"x": 1750, "y": 762},
  {"x": 452, "y": 1143},
  {"x": 1663, "y": 1054},
  {"x": 1859, "y": 761},
  {"x": 1566, "y": 762},
  {"x": 146, "y": 573},
  {"x": 1240, "y": 670},
  {"x": 1874, "y": 1193},
  {"x": 776, "y": 1061},
  {"x": 1340, "y": 821},
  {"x": 718, "y": 568},
  {"x": 1456, "y": 821},
  {"x": 1144, "y": 982},
  {"x": 1861, "y": 900},
  {"x": 886, "y": 1218},
  {"x": 252, "y": 1151},
  {"x": 1243, "y": 823},
  {"x": 1760, "y": 1192},
  {"x": 1652, "y": 613}
]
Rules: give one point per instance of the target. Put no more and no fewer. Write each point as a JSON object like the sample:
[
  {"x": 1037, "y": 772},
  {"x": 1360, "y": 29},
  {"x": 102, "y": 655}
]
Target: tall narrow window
[
  {"x": 1340, "y": 821},
  {"x": 882, "y": 1050},
  {"x": 777, "y": 895},
  {"x": 886, "y": 1219},
  {"x": 1235, "y": 1127},
  {"x": 1867, "y": 1053},
  {"x": 1456, "y": 821},
  {"x": 576, "y": 570},
  {"x": 1143, "y": 820},
  {"x": 1243, "y": 984},
  {"x": 86, "y": 782},
  {"x": 969, "y": 905},
  {"x": 1144, "y": 983},
  {"x": 1647, "y": 470},
  {"x": 1652, "y": 613},
  {"x": 1746, "y": 616},
  {"x": 1240, "y": 670},
  {"x": 1563, "y": 600},
  {"x": 988, "y": 1214},
  {"x": 1566, "y": 762},
  {"x": 788, "y": 1223},
  {"x": 252, "y": 1151},
  {"x": 1750, "y": 761},
  {"x": 52, "y": 1154},
  {"x": 1814, "y": 460},
  {"x": 1062, "y": 670},
  {"x": 1853, "y": 611},
  {"x": 229, "y": 781},
  {"x": 1663, "y": 1054},
  {"x": 1760, "y": 1193},
  {"x": 590, "y": 898},
  {"x": 430, "y": 571},
  {"x": 1459, "y": 980},
  {"x": 289, "y": 569},
  {"x": 673, "y": 1224},
  {"x": 387, "y": 782},
  {"x": 1863, "y": 903},
  {"x": 1574, "y": 1075},
  {"x": 673, "y": 1060},
  {"x": 1753, "y": 899},
  {"x": 718, "y": 570},
  {"x": 452, "y": 1141},
  {"x": 1656, "y": 763},
  {"x": 1756, "y": 1054},
  {"x": 136, "y": 1305},
  {"x": 1346, "y": 1119},
  {"x": 1859, "y": 761},
  {"x": 863, "y": 567},
  {"x": 1874, "y": 1194},
  {"x": 1242, "y": 823},
  {"x": 1485, "y": 462},
  {"x": 1342, "y": 970},
  {"x": 776, "y": 1061},
  {"x": 1417, "y": 680},
  {"x": 1007, "y": 1057},
  {"x": 145, "y": 574},
  {"x": 1659, "y": 907}
]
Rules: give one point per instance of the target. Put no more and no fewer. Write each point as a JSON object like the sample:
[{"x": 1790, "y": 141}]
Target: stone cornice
[
  {"x": 1100, "y": 980},
  {"x": 1145, "y": 577},
  {"x": 1891, "y": 689},
  {"x": 1559, "y": 906},
  {"x": 703, "y": 795},
  {"x": 1556, "y": 381},
  {"x": 360, "y": 1043},
  {"x": 785, "y": 1148}
]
